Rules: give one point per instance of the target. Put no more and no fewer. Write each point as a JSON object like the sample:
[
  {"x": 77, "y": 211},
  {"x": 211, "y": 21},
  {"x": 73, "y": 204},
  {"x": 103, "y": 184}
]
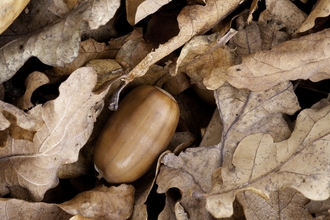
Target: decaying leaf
[
  {"x": 103, "y": 203},
  {"x": 242, "y": 113},
  {"x": 283, "y": 204},
  {"x": 320, "y": 10},
  {"x": 137, "y": 10},
  {"x": 99, "y": 203},
  {"x": 32, "y": 82},
  {"x": 192, "y": 20},
  {"x": 286, "y": 12},
  {"x": 205, "y": 58},
  {"x": 56, "y": 44},
  {"x": 302, "y": 58},
  {"x": 30, "y": 165},
  {"x": 89, "y": 50},
  {"x": 9, "y": 11},
  {"x": 262, "y": 166}
]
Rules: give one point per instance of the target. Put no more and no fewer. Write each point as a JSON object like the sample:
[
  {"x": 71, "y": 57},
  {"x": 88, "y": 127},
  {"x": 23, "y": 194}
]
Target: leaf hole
[{"x": 155, "y": 203}]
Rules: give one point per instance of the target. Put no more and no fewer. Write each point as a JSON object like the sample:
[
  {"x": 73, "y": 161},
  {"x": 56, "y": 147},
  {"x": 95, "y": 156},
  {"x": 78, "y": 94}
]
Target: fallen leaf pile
[{"x": 251, "y": 79}]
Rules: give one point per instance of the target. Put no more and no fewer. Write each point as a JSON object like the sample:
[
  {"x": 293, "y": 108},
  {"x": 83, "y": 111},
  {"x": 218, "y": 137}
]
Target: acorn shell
[{"x": 136, "y": 134}]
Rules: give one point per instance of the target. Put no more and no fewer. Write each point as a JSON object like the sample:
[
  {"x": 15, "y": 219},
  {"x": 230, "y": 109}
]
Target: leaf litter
[{"x": 254, "y": 162}]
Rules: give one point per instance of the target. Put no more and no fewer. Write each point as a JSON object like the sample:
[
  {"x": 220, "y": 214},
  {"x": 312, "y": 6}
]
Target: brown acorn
[{"x": 136, "y": 134}]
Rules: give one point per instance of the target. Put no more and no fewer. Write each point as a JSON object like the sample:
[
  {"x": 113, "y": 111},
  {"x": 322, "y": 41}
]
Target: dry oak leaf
[
  {"x": 30, "y": 166},
  {"x": 262, "y": 166},
  {"x": 33, "y": 81},
  {"x": 136, "y": 10},
  {"x": 288, "y": 13},
  {"x": 320, "y": 10},
  {"x": 89, "y": 50},
  {"x": 102, "y": 203},
  {"x": 9, "y": 11},
  {"x": 192, "y": 20},
  {"x": 242, "y": 113},
  {"x": 302, "y": 58},
  {"x": 56, "y": 44},
  {"x": 283, "y": 204},
  {"x": 205, "y": 58}
]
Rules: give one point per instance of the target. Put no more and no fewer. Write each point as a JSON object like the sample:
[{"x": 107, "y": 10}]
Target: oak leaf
[
  {"x": 56, "y": 44},
  {"x": 283, "y": 204},
  {"x": 263, "y": 166},
  {"x": 192, "y": 20},
  {"x": 57, "y": 130},
  {"x": 288, "y": 13},
  {"x": 136, "y": 10},
  {"x": 289, "y": 60},
  {"x": 320, "y": 10},
  {"x": 10, "y": 11},
  {"x": 242, "y": 113},
  {"x": 99, "y": 203}
]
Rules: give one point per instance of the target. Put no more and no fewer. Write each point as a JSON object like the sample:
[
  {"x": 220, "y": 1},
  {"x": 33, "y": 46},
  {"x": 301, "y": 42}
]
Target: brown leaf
[
  {"x": 15, "y": 209},
  {"x": 262, "y": 166},
  {"x": 321, "y": 9},
  {"x": 10, "y": 11},
  {"x": 136, "y": 10},
  {"x": 32, "y": 82},
  {"x": 89, "y": 50},
  {"x": 30, "y": 166},
  {"x": 290, "y": 60},
  {"x": 282, "y": 204},
  {"x": 100, "y": 203},
  {"x": 56, "y": 44},
  {"x": 204, "y": 18},
  {"x": 288, "y": 13},
  {"x": 242, "y": 113},
  {"x": 205, "y": 58}
]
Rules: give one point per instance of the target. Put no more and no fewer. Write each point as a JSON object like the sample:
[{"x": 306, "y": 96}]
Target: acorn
[{"x": 136, "y": 134}]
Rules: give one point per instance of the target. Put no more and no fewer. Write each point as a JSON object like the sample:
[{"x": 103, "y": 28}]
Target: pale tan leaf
[
  {"x": 242, "y": 113},
  {"x": 137, "y": 10},
  {"x": 290, "y": 60},
  {"x": 89, "y": 50},
  {"x": 282, "y": 204},
  {"x": 288, "y": 13},
  {"x": 56, "y": 44},
  {"x": 11, "y": 116},
  {"x": 9, "y": 11},
  {"x": 320, "y": 10},
  {"x": 32, "y": 82},
  {"x": 15, "y": 209},
  {"x": 102, "y": 203},
  {"x": 254, "y": 36},
  {"x": 263, "y": 166},
  {"x": 30, "y": 166},
  {"x": 79, "y": 217},
  {"x": 204, "y": 18},
  {"x": 205, "y": 58}
]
